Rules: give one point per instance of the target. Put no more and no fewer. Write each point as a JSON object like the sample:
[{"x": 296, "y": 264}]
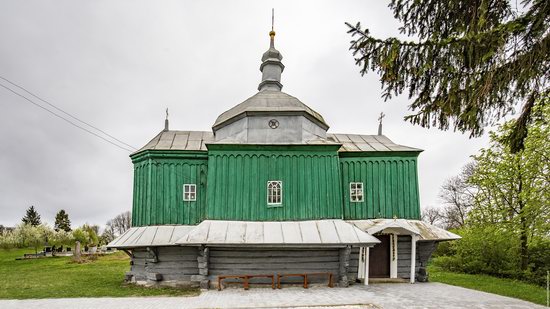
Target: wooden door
[{"x": 379, "y": 258}]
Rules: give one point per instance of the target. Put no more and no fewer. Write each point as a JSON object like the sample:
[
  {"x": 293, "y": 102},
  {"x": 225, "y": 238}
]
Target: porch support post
[
  {"x": 360, "y": 267},
  {"x": 413, "y": 257},
  {"x": 366, "y": 267},
  {"x": 393, "y": 255},
  {"x": 203, "y": 260},
  {"x": 344, "y": 266}
]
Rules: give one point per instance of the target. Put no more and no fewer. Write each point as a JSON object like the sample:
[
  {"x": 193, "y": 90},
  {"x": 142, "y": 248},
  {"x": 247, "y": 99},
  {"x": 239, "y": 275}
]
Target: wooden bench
[
  {"x": 245, "y": 280},
  {"x": 304, "y": 276}
]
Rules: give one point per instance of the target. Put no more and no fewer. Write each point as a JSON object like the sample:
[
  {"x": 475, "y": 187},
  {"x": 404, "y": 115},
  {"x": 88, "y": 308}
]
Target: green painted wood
[
  {"x": 237, "y": 188},
  {"x": 315, "y": 184},
  {"x": 158, "y": 190},
  {"x": 390, "y": 186}
]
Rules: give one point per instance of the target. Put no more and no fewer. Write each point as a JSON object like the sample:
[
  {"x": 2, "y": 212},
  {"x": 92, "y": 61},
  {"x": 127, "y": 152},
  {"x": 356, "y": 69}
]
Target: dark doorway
[{"x": 379, "y": 258}]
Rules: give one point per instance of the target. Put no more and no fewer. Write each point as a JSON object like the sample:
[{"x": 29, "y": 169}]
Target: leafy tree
[
  {"x": 91, "y": 233},
  {"x": 506, "y": 229},
  {"x": 61, "y": 238},
  {"x": 8, "y": 240},
  {"x": 62, "y": 221},
  {"x": 81, "y": 236},
  {"x": 28, "y": 235},
  {"x": 471, "y": 62},
  {"x": 512, "y": 188},
  {"x": 31, "y": 217}
]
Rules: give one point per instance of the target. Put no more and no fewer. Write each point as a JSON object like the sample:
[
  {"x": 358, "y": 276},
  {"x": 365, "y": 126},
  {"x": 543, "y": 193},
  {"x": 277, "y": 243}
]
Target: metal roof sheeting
[
  {"x": 367, "y": 143},
  {"x": 145, "y": 236},
  {"x": 268, "y": 101},
  {"x": 180, "y": 140},
  {"x": 423, "y": 230},
  {"x": 295, "y": 233},
  {"x": 197, "y": 140}
]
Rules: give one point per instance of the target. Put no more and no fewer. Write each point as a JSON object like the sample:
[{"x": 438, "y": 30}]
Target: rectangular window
[
  {"x": 189, "y": 192},
  {"x": 356, "y": 191},
  {"x": 274, "y": 192}
]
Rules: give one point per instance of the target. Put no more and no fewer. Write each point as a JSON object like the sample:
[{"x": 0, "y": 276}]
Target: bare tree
[
  {"x": 120, "y": 223},
  {"x": 432, "y": 215},
  {"x": 457, "y": 195}
]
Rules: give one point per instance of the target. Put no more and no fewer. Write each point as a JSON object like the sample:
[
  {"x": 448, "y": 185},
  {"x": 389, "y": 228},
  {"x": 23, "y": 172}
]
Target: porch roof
[
  {"x": 323, "y": 233},
  {"x": 423, "y": 230},
  {"x": 146, "y": 236}
]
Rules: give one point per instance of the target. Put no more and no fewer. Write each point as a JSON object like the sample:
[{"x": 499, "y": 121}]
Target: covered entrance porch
[{"x": 404, "y": 250}]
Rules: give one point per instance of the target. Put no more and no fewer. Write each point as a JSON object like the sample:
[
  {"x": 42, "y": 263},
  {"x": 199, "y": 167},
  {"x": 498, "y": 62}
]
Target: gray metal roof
[
  {"x": 145, "y": 236},
  {"x": 360, "y": 143},
  {"x": 287, "y": 233},
  {"x": 180, "y": 140},
  {"x": 197, "y": 140},
  {"x": 423, "y": 230},
  {"x": 268, "y": 101}
]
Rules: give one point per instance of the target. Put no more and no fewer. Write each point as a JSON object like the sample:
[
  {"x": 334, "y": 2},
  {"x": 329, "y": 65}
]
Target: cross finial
[
  {"x": 166, "y": 128},
  {"x": 382, "y": 115},
  {"x": 272, "y": 32}
]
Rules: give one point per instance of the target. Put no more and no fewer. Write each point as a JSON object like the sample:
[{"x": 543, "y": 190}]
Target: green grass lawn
[
  {"x": 59, "y": 277},
  {"x": 500, "y": 286}
]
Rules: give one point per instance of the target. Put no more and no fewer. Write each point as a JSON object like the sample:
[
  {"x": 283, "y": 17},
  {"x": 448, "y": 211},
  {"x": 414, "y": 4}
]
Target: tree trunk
[{"x": 524, "y": 254}]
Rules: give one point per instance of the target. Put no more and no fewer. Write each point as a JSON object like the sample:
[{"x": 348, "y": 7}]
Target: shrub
[{"x": 493, "y": 250}]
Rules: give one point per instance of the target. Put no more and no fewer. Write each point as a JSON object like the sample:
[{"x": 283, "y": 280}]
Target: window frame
[
  {"x": 353, "y": 192},
  {"x": 192, "y": 193},
  {"x": 271, "y": 196}
]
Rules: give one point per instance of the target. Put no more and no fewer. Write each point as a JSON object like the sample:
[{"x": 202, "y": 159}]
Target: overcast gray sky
[{"x": 119, "y": 64}]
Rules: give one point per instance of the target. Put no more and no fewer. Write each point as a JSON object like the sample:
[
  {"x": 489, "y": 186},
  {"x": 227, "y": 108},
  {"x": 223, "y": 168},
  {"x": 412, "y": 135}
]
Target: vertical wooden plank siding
[
  {"x": 158, "y": 191},
  {"x": 315, "y": 185},
  {"x": 237, "y": 188},
  {"x": 390, "y": 187}
]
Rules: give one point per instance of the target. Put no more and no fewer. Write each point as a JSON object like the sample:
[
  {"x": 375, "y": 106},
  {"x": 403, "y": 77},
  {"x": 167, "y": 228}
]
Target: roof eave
[{"x": 220, "y": 124}]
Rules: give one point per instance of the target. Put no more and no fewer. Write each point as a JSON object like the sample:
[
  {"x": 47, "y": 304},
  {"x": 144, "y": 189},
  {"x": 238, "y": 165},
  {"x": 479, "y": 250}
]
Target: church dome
[
  {"x": 270, "y": 116},
  {"x": 269, "y": 102}
]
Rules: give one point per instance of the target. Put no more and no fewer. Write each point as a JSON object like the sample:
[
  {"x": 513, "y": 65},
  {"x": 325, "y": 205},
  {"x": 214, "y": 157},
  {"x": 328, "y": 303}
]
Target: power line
[
  {"x": 63, "y": 118},
  {"x": 66, "y": 113}
]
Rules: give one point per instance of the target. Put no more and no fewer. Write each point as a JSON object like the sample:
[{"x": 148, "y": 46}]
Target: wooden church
[{"x": 269, "y": 193}]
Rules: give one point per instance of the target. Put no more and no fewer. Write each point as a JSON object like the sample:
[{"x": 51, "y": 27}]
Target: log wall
[
  {"x": 177, "y": 265},
  {"x": 424, "y": 250},
  {"x": 237, "y": 261},
  {"x": 194, "y": 266}
]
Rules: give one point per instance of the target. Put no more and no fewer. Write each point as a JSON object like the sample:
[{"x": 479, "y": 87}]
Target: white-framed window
[
  {"x": 274, "y": 192},
  {"x": 356, "y": 191},
  {"x": 189, "y": 192}
]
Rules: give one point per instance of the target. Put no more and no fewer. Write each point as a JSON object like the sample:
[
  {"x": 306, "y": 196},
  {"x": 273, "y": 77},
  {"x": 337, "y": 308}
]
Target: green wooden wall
[
  {"x": 315, "y": 184},
  {"x": 158, "y": 189},
  {"x": 390, "y": 187},
  {"x": 237, "y": 187}
]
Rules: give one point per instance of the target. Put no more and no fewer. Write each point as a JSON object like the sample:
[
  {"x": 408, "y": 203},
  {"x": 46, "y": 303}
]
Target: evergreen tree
[
  {"x": 470, "y": 64},
  {"x": 62, "y": 221},
  {"x": 31, "y": 217}
]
